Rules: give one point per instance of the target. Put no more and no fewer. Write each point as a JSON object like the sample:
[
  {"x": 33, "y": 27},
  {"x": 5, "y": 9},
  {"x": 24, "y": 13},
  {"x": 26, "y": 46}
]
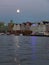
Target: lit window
[{"x": 34, "y": 24}]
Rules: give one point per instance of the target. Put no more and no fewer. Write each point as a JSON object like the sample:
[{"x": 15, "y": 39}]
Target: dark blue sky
[{"x": 30, "y": 10}]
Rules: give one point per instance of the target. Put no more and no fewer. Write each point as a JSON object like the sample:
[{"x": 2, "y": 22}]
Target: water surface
[{"x": 24, "y": 50}]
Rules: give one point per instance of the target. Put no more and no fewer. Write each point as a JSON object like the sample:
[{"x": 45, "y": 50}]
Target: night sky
[{"x": 30, "y": 10}]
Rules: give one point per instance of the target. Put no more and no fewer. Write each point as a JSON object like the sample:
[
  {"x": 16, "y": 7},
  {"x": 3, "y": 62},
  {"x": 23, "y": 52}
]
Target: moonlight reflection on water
[{"x": 24, "y": 50}]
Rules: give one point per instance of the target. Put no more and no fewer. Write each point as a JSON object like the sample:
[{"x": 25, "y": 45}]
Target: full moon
[{"x": 18, "y": 11}]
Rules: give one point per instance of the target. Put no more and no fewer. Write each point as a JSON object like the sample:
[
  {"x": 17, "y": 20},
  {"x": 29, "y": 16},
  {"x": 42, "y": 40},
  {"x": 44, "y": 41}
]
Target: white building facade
[
  {"x": 22, "y": 27},
  {"x": 34, "y": 28},
  {"x": 41, "y": 28},
  {"x": 16, "y": 27}
]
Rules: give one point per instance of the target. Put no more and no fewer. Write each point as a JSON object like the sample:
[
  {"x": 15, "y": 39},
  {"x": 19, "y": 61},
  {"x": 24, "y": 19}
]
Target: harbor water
[{"x": 24, "y": 50}]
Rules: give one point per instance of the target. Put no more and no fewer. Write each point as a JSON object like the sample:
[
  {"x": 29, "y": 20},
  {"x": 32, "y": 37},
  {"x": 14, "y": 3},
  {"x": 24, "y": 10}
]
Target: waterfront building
[
  {"x": 16, "y": 27},
  {"x": 10, "y": 26},
  {"x": 41, "y": 27},
  {"x": 22, "y": 26},
  {"x": 28, "y": 25},
  {"x": 34, "y": 27},
  {"x": 47, "y": 27},
  {"x": 27, "y": 28}
]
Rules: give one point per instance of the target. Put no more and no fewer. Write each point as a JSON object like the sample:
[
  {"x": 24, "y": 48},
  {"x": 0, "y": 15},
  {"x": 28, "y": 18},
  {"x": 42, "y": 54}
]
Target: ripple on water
[{"x": 24, "y": 50}]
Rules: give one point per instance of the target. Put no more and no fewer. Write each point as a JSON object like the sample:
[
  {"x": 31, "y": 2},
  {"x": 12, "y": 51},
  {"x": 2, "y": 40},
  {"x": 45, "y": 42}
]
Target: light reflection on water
[
  {"x": 24, "y": 50},
  {"x": 34, "y": 39}
]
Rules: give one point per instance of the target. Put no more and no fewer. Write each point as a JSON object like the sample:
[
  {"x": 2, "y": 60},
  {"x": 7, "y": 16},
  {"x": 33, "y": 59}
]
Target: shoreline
[{"x": 25, "y": 35}]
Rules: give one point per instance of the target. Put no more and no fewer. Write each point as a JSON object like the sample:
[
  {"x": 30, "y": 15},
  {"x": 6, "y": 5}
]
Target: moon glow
[{"x": 18, "y": 11}]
